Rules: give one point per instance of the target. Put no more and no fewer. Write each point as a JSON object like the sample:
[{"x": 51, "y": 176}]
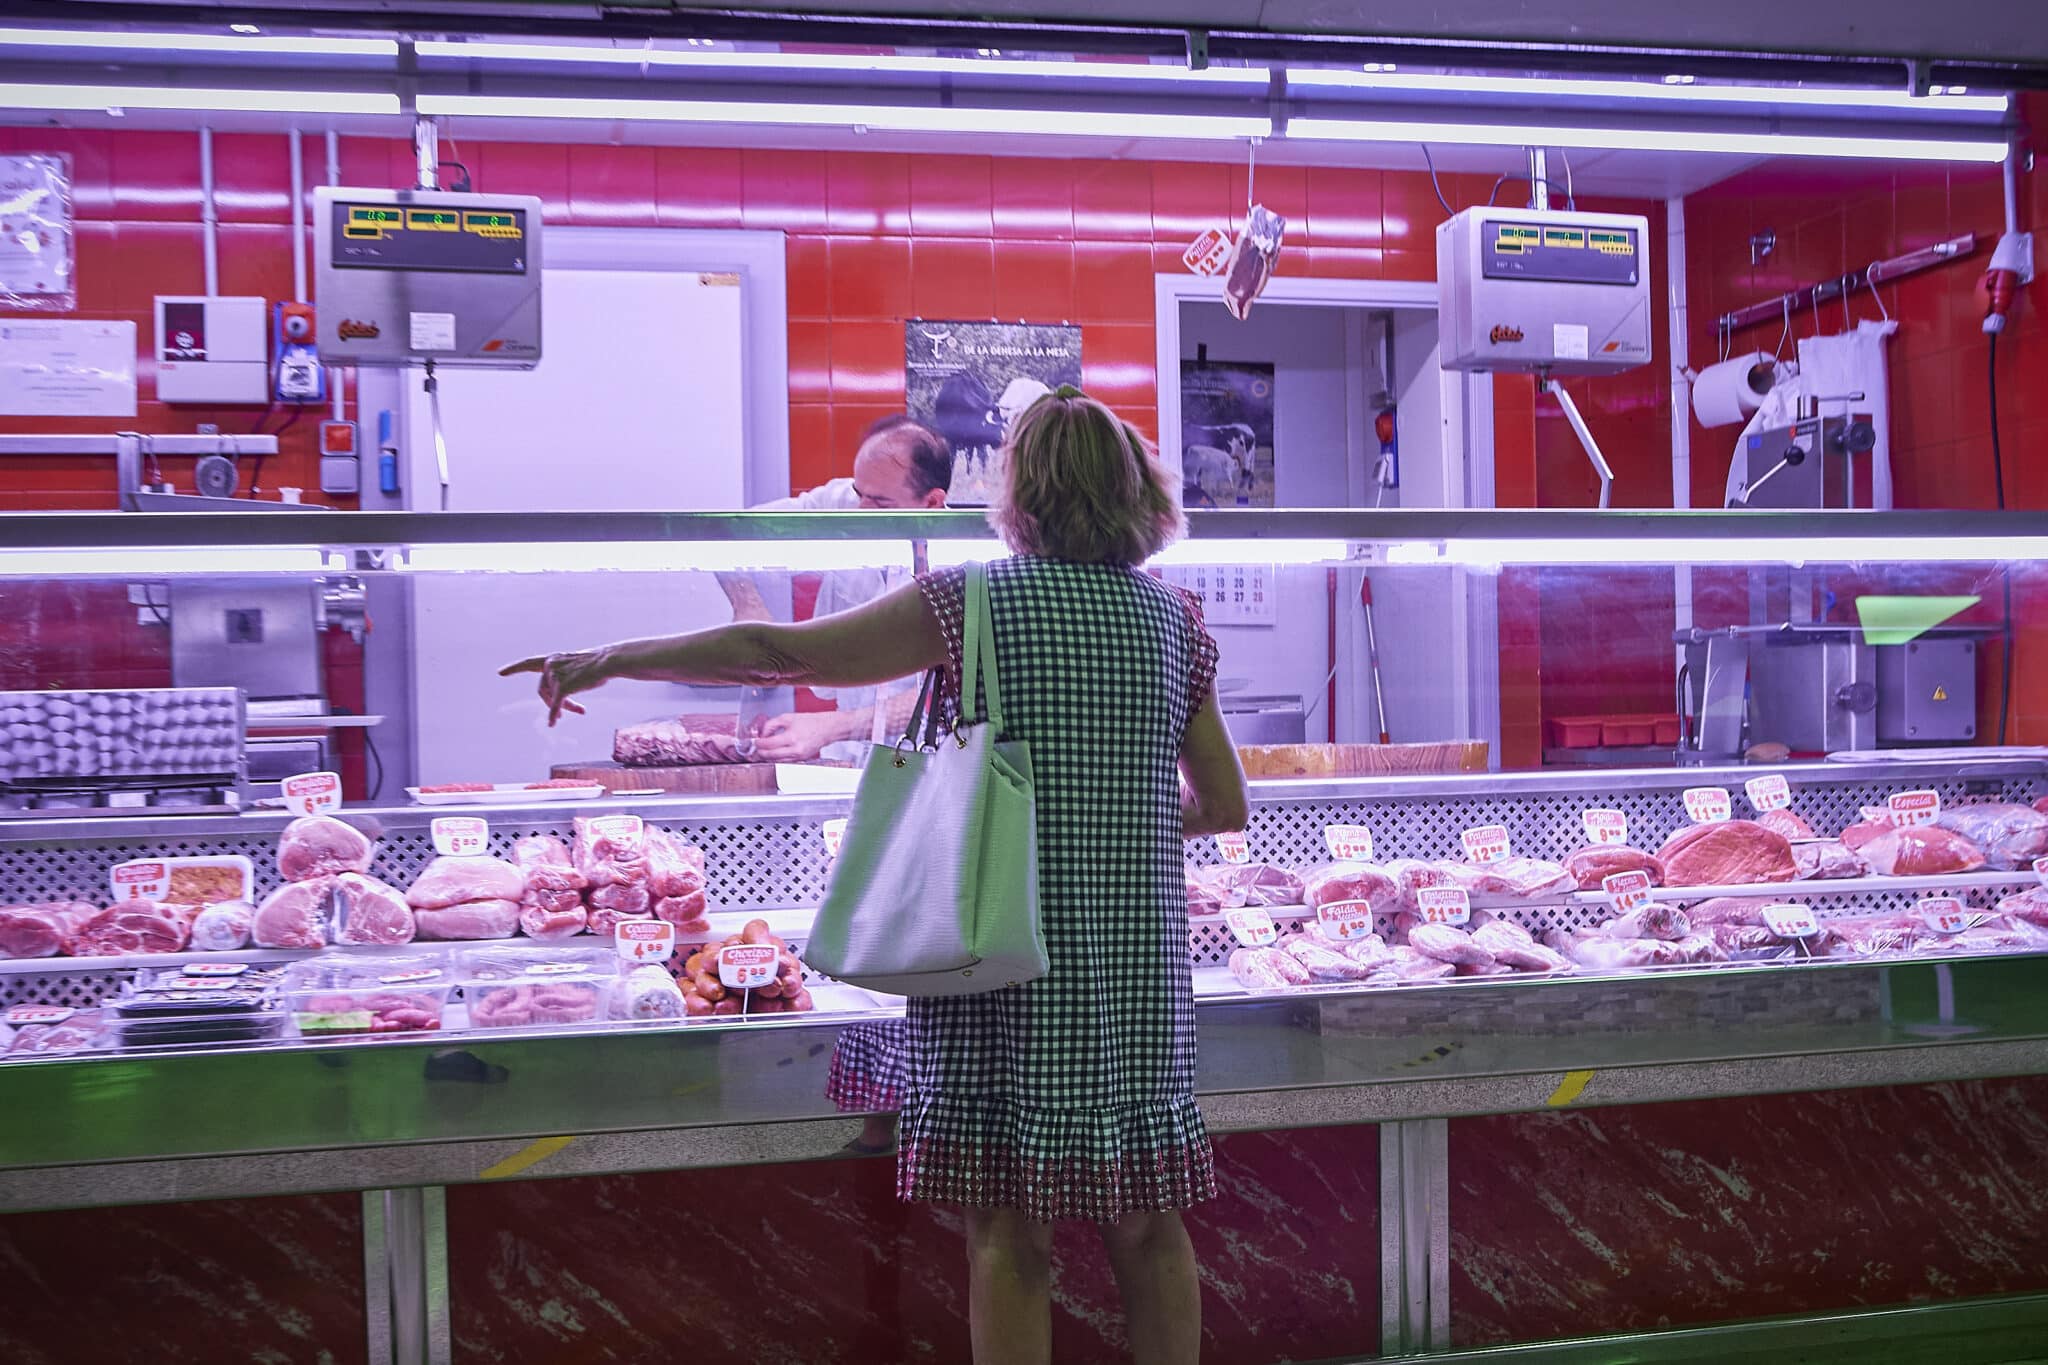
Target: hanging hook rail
[{"x": 1872, "y": 275}]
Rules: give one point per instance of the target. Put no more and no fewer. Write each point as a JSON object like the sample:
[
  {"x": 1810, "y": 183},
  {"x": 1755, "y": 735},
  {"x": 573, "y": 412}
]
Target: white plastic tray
[{"x": 507, "y": 791}]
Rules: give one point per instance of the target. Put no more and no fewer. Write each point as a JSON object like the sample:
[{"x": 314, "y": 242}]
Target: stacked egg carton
[{"x": 140, "y": 732}]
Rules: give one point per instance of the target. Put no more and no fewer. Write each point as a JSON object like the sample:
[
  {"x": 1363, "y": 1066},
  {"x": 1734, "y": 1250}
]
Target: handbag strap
[
  {"x": 978, "y": 649},
  {"x": 927, "y": 707}
]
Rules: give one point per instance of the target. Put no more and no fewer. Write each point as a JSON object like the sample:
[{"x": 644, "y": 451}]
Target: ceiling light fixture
[
  {"x": 113, "y": 97},
  {"x": 1312, "y": 129},
  {"x": 240, "y": 41},
  {"x": 1676, "y": 88}
]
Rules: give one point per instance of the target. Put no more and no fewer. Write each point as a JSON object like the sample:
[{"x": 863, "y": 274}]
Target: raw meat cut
[
  {"x": 368, "y": 911},
  {"x": 1828, "y": 860},
  {"x": 1349, "y": 882},
  {"x": 1991, "y": 934},
  {"x": 1862, "y": 832},
  {"x": 1266, "y": 969},
  {"x": 1921, "y": 851},
  {"x": 469, "y": 920},
  {"x": 605, "y": 860},
  {"x": 1490, "y": 969},
  {"x": 2030, "y": 905},
  {"x": 684, "y": 740},
  {"x": 1726, "y": 910},
  {"x": 2041, "y": 804},
  {"x": 1871, "y": 935},
  {"x": 2011, "y": 836},
  {"x": 670, "y": 872},
  {"x": 1324, "y": 963},
  {"x": 223, "y": 927},
  {"x": 1786, "y": 823},
  {"x": 1513, "y": 946},
  {"x": 84, "y": 1031},
  {"x": 1412, "y": 964},
  {"x": 1520, "y": 878},
  {"x": 605, "y": 921},
  {"x": 547, "y": 917},
  {"x": 1751, "y": 941},
  {"x": 1699, "y": 948},
  {"x": 1253, "y": 884},
  {"x": 321, "y": 846},
  {"x": 565, "y": 1002},
  {"x": 1727, "y": 853},
  {"x": 40, "y": 930},
  {"x": 630, "y": 902},
  {"x": 1205, "y": 901},
  {"x": 544, "y": 861},
  {"x": 133, "y": 927},
  {"x": 1589, "y": 866},
  {"x": 1621, "y": 954},
  {"x": 1447, "y": 943},
  {"x": 686, "y": 913},
  {"x": 294, "y": 916},
  {"x": 455, "y": 881},
  {"x": 1371, "y": 951},
  {"x": 1654, "y": 920}
]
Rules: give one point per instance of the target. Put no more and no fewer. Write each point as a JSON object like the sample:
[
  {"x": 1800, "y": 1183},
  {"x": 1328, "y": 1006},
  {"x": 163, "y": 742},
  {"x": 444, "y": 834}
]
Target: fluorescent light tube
[
  {"x": 673, "y": 557},
  {"x": 903, "y": 118},
  {"x": 167, "y": 561},
  {"x": 835, "y": 61},
  {"x": 1646, "y": 90},
  {"x": 1988, "y": 150},
  {"x": 198, "y": 42},
  {"x": 1655, "y": 550},
  {"x": 92, "y": 97}
]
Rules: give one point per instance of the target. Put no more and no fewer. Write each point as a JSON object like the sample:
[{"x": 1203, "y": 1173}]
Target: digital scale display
[
  {"x": 1563, "y": 254},
  {"x": 388, "y": 237}
]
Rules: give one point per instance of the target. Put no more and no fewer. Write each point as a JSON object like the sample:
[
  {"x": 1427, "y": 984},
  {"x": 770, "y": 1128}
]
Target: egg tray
[{"x": 114, "y": 733}]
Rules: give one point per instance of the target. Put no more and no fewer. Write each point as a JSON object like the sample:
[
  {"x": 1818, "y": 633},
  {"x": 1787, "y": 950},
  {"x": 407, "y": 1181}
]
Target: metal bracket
[
  {"x": 1545, "y": 384},
  {"x": 1198, "y": 49},
  {"x": 1415, "y": 1236},
  {"x": 405, "y": 1276}
]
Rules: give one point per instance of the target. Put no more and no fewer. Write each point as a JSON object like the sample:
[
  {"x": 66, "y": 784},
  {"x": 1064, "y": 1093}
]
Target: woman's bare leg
[
  {"x": 1009, "y": 1287},
  {"x": 1155, "y": 1272}
]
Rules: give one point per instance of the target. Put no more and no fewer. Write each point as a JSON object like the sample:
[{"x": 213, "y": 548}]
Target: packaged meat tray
[
  {"x": 56, "y": 1031},
  {"x": 184, "y": 881},
  {"x": 515, "y": 988},
  {"x": 172, "y": 1008},
  {"x": 337, "y": 993}
]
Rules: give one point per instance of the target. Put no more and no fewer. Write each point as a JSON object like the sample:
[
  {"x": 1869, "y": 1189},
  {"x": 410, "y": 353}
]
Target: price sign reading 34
[{"x": 1235, "y": 848}]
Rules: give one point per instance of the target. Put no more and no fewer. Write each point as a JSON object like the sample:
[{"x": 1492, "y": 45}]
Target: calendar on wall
[{"x": 1232, "y": 594}]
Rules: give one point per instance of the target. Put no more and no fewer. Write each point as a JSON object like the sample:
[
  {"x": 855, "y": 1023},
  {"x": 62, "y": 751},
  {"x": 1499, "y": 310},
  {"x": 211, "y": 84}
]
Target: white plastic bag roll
[{"x": 1729, "y": 392}]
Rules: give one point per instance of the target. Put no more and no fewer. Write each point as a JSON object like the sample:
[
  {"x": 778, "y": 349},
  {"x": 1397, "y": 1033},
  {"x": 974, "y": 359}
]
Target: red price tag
[
  {"x": 557, "y": 968},
  {"x": 144, "y": 879},
  {"x": 1486, "y": 844},
  {"x": 1707, "y": 805},
  {"x": 461, "y": 836},
  {"x": 404, "y": 978},
  {"x": 1208, "y": 253},
  {"x": 1627, "y": 890},
  {"x": 1943, "y": 914},
  {"x": 1343, "y": 920},
  {"x": 216, "y": 969},
  {"x": 1604, "y": 826},
  {"x": 1252, "y": 926},
  {"x": 746, "y": 966},
  {"x": 1791, "y": 921},
  {"x": 1914, "y": 808},
  {"x": 623, "y": 832},
  {"x": 311, "y": 793},
  {"x": 1235, "y": 848},
  {"x": 644, "y": 940},
  {"x": 38, "y": 1014},
  {"x": 1348, "y": 843},
  {"x": 1443, "y": 905},
  {"x": 1769, "y": 792},
  {"x": 834, "y": 831}
]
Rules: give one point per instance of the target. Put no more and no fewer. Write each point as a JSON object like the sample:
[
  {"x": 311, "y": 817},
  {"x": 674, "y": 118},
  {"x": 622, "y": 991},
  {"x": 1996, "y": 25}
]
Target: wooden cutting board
[
  {"x": 725, "y": 779},
  {"x": 1361, "y": 760}
]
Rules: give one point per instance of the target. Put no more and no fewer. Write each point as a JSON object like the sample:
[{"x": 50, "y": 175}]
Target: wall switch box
[
  {"x": 211, "y": 350},
  {"x": 341, "y": 469}
]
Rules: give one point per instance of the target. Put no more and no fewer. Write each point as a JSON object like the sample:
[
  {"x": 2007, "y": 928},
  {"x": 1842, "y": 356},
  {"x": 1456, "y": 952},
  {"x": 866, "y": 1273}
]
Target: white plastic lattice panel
[{"x": 80, "y": 990}]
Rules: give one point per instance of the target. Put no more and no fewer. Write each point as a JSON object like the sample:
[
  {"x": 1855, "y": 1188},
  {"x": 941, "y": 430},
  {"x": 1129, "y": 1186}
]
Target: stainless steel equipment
[
  {"x": 1265, "y": 720},
  {"x": 1813, "y": 690},
  {"x": 258, "y": 634},
  {"x": 1810, "y": 463},
  {"x": 122, "y": 750},
  {"x": 1927, "y": 691}
]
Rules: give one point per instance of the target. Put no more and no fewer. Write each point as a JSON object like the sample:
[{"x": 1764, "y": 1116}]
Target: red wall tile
[
  {"x": 1343, "y": 206},
  {"x": 783, "y": 190},
  {"x": 1188, "y": 197},
  {"x": 867, "y": 193},
  {"x": 698, "y": 187},
  {"x": 1031, "y": 197},
  {"x": 952, "y": 277},
  {"x": 867, "y": 366},
  {"x": 870, "y": 277},
  {"x": 953, "y": 196},
  {"x": 155, "y": 176},
  {"x": 614, "y": 186},
  {"x": 810, "y": 363},
  {"x": 1113, "y": 282},
  {"x": 1119, "y": 363},
  {"x": 1035, "y": 281},
  {"x": 534, "y": 168},
  {"x": 1112, "y": 200}
]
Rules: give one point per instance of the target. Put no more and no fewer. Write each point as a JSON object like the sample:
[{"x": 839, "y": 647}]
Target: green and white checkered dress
[{"x": 1073, "y": 1096}]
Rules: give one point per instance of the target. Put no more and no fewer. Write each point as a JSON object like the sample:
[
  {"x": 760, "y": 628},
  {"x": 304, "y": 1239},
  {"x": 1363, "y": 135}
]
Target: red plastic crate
[{"x": 1628, "y": 730}]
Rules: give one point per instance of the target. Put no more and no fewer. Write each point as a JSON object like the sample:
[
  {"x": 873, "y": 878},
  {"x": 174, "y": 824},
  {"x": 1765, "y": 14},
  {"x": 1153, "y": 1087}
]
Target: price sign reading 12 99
[
  {"x": 1486, "y": 844},
  {"x": 1349, "y": 843}
]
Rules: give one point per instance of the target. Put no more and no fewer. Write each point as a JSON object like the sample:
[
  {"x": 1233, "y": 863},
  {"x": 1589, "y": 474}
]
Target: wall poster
[
  {"x": 970, "y": 380},
  {"x": 1226, "y": 434},
  {"x": 37, "y": 263}
]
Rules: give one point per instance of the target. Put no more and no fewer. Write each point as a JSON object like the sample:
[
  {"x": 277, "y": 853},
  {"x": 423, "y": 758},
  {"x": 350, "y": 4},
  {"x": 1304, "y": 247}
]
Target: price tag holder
[
  {"x": 1443, "y": 905},
  {"x": 1208, "y": 253},
  {"x": 1769, "y": 792},
  {"x": 556, "y": 968},
  {"x": 39, "y": 1014},
  {"x": 1348, "y": 843},
  {"x": 1253, "y": 927},
  {"x": 215, "y": 968},
  {"x": 834, "y": 832},
  {"x": 1708, "y": 805},
  {"x": 1628, "y": 890},
  {"x": 1943, "y": 914},
  {"x": 623, "y": 832},
  {"x": 1235, "y": 848},
  {"x": 141, "y": 880},
  {"x": 644, "y": 940},
  {"x": 312, "y": 793},
  {"x": 412, "y": 977},
  {"x": 461, "y": 836},
  {"x": 1914, "y": 808},
  {"x": 1604, "y": 826},
  {"x": 1345, "y": 920},
  {"x": 1791, "y": 921},
  {"x": 1486, "y": 844},
  {"x": 746, "y": 966}
]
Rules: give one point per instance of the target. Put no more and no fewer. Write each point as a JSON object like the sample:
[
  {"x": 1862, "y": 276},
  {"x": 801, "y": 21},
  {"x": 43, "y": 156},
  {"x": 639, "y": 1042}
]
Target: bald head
[{"x": 902, "y": 463}]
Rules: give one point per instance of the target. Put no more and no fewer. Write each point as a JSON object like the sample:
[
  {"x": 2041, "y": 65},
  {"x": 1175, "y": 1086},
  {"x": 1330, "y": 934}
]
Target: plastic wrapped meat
[
  {"x": 40, "y": 930},
  {"x": 1371, "y": 951},
  {"x": 1490, "y": 969},
  {"x": 537, "y": 1002},
  {"x": 1590, "y": 866},
  {"x": 669, "y": 872},
  {"x": 133, "y": 927},
  {"x": 1519, "y": 878},
  {"x": 2030, "y": 905},
  {"x": 544, "y": 862},
  {"x": 1991, "y": 934},
  {"x": 1205, "y": 901},
  {"x": 1412, "y": 964},
  {"x": 1251, "y": 260},
  {"x": 1728, "y": 853},
  {"x": 1412, "y": 875},
  {"x": 2011, "y": 836},
  {"x": 1618, "y": 954},
  {"x": 1324, "y": 962},
  {"x": 1350, "y": 882},
  {"x": 1751, "y": 942},
  {"x": 321, "y": 846},
  {"x": 469, "y": 920},
  {"x": 368, "y": 911},
  {"x": 552, "y": 915},
  {"x": 1253, "y": 884},
  {"x": 1862, "y": 832},
  {"x": 1447, "y": 943},
  {"x": 1921, "y": 851},
  {"x": 1654, "y": 920},
  {"x": 1828, "y": 860},
  {"x": 1871, "y": 936},
  {"x": 605, "y": 860},
  {"x": 1726, "y": 910},
  {"x": 455, "y": 881},
  {"x": 551, "y": 907},
  {"x": 294, "y": 916},
  {"x": 84, "y": 1031},
  {"x": 1513, "y": 946},
  {"x": 1786, "y": 823},
  {"x": 2041, "y": 804},
  {"x": 223, "y": 927},
  {"x": 647, "y": 992},
  {"x": 1700, "y": 948},
  {"x": 1265, "y": 969}
]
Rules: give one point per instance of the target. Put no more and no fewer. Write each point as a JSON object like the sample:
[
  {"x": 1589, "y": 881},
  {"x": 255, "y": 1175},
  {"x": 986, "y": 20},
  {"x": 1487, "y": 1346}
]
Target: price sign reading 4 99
[{"x": 1342, "y": 920}]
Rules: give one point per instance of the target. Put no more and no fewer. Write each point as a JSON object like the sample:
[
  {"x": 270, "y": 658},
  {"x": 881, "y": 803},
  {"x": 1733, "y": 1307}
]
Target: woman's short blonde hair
[{"x": 1080, "y": 483}]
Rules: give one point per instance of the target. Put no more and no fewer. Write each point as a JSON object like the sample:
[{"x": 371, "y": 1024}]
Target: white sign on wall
[{"x": 59, "y": 367}]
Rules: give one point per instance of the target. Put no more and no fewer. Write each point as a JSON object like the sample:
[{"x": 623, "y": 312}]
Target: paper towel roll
[{"x": 1730, "y": 391}]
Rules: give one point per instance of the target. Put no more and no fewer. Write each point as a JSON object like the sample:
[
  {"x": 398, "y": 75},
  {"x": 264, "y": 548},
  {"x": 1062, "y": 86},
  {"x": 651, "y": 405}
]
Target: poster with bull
[
  {"x": 1226, "y": 434},
  {"x": 970, "y": 380}
]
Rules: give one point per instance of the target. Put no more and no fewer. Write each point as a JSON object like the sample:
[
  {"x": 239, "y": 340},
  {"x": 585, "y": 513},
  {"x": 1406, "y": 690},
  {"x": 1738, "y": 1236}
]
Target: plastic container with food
[
  {"x": 337, "y": 993},
  {"x": 511, "y": 988},
  {"x": 171, "y": 1009},
  {"x": 184, "y": 881}
]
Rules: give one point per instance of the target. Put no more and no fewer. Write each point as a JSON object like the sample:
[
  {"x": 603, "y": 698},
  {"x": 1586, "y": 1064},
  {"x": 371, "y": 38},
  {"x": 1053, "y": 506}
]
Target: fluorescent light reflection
[
  {"x": 1655, "y": 550},
  {"x": 835, "y": 61},
  {"x": 1548, "y": 87},
  {"x": 166, "y": 561},
  {"x": 1729, "y": 141},
  {"x": 694, "y": 556},
  {"x": 198, "y": 42},
  {"x": 96, "y": 97}
]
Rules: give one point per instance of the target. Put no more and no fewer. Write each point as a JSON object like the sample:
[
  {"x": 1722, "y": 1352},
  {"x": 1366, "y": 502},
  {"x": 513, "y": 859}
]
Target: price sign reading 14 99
[{"x": 1627, "y": 890}]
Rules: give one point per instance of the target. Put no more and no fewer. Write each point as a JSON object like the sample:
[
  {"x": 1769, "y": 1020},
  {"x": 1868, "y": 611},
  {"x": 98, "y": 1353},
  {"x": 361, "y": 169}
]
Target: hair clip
[{"x": 1068, "y": 391}]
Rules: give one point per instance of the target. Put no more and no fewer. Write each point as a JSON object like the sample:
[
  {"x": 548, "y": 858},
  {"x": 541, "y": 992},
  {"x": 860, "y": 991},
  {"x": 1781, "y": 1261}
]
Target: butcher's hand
[
  {"x": 798, "y": 735},
  {"x": 562, "y": 676}
]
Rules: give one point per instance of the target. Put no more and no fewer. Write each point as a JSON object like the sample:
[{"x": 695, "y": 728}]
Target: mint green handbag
[{"x": 936, "y": 888}]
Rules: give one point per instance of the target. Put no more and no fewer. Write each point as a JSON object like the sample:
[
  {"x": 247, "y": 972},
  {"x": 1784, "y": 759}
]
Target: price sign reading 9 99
[{"x": 1605, "y": 826}]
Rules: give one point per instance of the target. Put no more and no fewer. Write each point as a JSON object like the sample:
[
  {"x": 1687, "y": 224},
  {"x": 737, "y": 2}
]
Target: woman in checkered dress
[{"x": 1069, "y": 1097}]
